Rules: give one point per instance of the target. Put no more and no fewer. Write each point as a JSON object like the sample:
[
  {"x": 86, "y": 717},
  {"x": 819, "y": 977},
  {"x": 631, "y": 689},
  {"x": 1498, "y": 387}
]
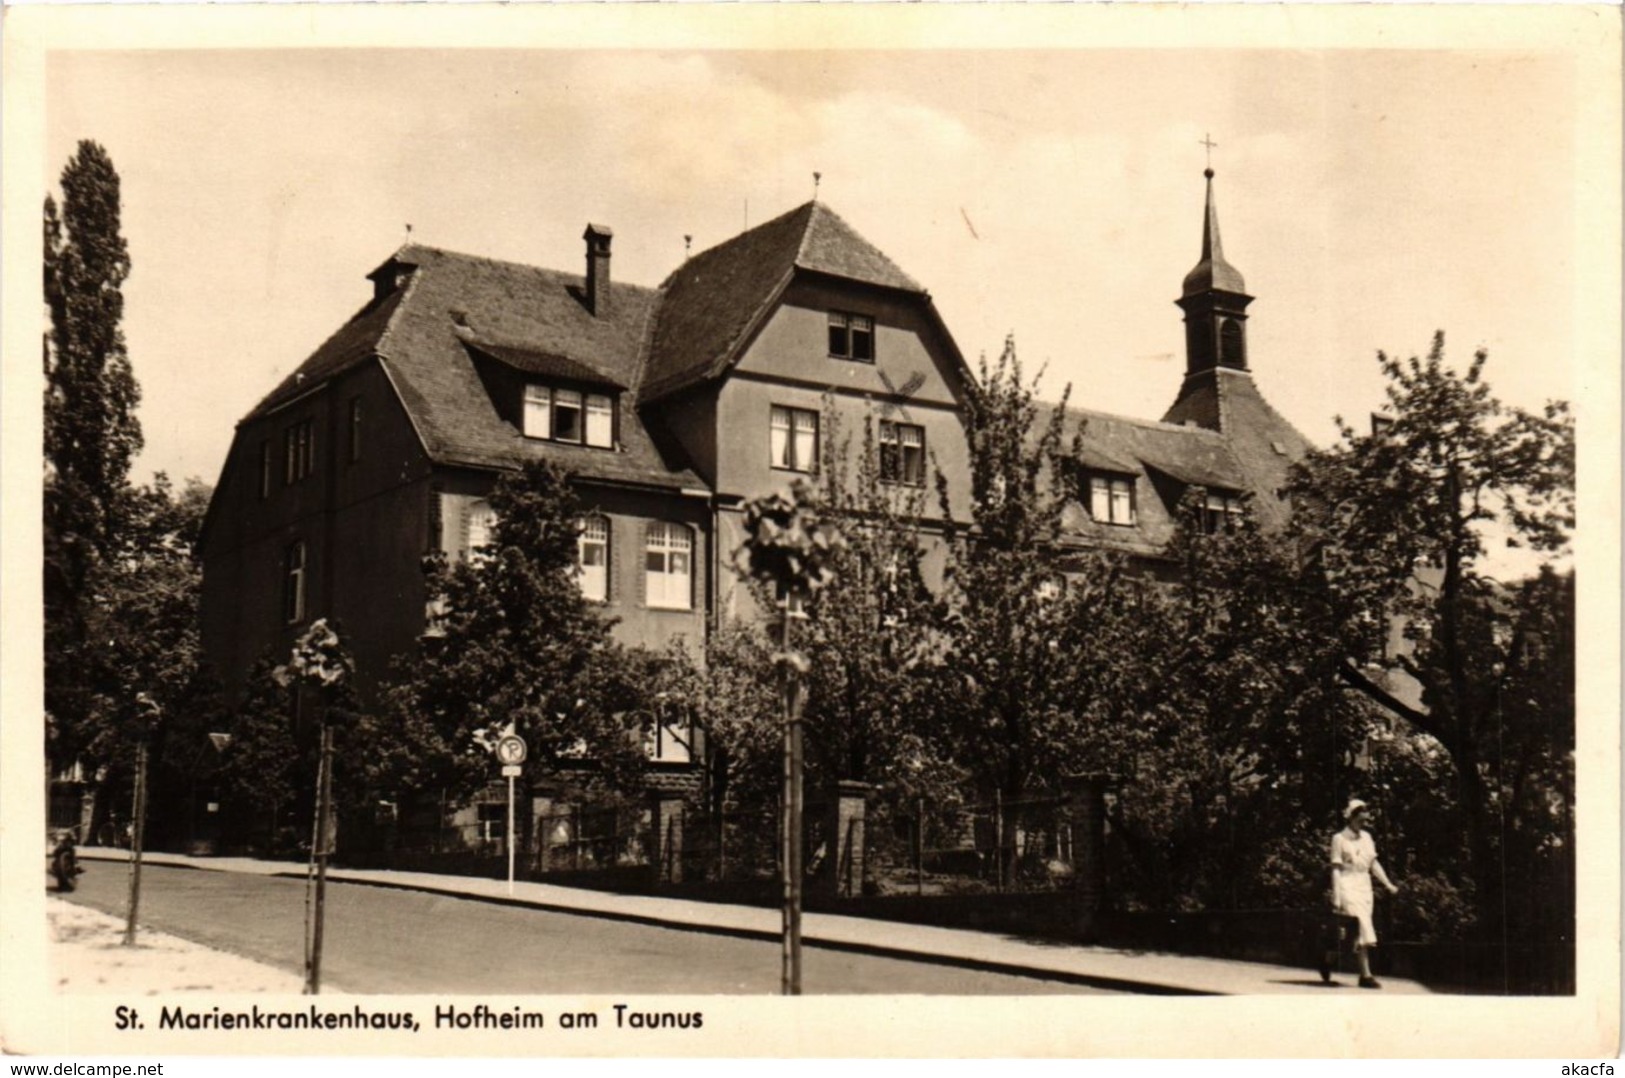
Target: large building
[{"x": 670, "y": 406}]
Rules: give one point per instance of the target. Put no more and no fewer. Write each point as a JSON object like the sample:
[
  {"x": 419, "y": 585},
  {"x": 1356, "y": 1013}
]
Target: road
[{"x": 380, "y": 940}]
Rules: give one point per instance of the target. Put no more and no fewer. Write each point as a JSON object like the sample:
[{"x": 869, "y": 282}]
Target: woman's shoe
[{"x": 1370, "y": 982}]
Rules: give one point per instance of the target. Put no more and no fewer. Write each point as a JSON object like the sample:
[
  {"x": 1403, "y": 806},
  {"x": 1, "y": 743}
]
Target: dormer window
[
  {"x": 1221, "y": 511},
  {"x": 1111, "y": 499},
  {"x": 851, "y": 336},
  {"x": 557, "y": 414}
]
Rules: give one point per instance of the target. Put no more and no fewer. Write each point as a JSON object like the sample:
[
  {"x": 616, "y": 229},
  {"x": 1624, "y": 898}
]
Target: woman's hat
[{"x": 1355, "y": 805}]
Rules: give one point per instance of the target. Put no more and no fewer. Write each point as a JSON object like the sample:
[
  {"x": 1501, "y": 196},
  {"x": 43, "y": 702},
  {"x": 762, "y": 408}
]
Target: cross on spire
[{"x": 1207, "y": 141}]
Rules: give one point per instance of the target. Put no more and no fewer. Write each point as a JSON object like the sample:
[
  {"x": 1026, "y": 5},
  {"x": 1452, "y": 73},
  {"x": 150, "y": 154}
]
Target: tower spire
[
  {"x": 1212, "y": 271},
  {"x": 1214, "y": 299}
]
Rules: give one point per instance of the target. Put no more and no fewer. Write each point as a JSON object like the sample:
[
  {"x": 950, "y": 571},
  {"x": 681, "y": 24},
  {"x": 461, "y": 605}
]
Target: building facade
[{"x": 670, "y": 406}]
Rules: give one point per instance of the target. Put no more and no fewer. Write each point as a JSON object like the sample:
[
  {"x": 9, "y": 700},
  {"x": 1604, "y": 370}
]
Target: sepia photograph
[{"x": 557, "y": 532}]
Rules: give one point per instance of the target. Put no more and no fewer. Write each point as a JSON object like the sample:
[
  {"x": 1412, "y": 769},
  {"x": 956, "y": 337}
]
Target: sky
[{"x": 1368, "y": 196}]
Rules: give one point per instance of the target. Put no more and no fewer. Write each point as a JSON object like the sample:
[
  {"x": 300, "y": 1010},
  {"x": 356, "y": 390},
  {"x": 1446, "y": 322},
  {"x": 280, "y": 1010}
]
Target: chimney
[{"x": 598, "y": 237}]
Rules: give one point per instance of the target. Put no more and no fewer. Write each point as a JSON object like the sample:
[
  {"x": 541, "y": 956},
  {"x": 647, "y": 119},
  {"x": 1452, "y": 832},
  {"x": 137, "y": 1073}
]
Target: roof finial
[
  {"x": 688, "y": 243},
  {"x": 1207, "y": 141},
  {"x": 817, "y": 176},
  {"x": 408, "y": 238}
]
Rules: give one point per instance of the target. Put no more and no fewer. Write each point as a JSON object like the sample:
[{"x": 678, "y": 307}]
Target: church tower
[
  {"x": 1215, "y": 302},
  {"x": 1218, "y": 392}
]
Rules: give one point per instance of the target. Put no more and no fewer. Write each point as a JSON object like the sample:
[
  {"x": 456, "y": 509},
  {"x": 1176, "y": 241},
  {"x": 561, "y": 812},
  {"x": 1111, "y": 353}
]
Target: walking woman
[{"x": 1354, "y": 863}]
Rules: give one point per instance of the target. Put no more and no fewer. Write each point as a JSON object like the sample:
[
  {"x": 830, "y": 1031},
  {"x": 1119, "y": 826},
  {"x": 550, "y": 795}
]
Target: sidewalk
[
  {"x": 88, "y": 955},
  {"x": 1105, "y": 967}
]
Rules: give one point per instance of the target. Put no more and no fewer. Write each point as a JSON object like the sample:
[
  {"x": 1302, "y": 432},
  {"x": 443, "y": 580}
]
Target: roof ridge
[
  {"x": 379, "y": 346},
  {"x": 1139, "y": 421},
  {"x": 813, "y": 207},
  {"x": 510, "y": 263}
]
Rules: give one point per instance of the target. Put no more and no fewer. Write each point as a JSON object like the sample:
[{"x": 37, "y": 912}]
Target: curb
[{"x": 879, "y": 950}]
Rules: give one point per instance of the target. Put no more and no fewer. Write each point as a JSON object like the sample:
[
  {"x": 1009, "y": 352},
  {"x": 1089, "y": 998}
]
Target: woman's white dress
[{"x": 1352, "y": 857}]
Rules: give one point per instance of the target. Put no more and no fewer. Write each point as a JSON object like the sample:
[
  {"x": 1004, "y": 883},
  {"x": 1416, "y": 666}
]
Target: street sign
[
  {"x": 510, "y": 771},
  {"x": 511, "y": 750}
]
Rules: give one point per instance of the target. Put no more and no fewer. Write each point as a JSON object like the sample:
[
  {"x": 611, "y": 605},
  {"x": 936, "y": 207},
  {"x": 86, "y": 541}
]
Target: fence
[
  {"x": 1015, "y": 846},
  {"x": 588, "y": 839}
]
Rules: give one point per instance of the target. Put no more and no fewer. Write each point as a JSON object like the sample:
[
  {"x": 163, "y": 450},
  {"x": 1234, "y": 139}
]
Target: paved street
[{"x": 381, "y": 940}]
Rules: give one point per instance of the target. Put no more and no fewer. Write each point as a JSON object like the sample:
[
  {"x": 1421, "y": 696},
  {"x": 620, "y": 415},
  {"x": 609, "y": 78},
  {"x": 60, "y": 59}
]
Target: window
[
  {"x": 600, "y": 421},
  {"x": 298, "y": 451},
  {"x": 668, "y": 556},
  {"x": 493, "y": 820},
  {"x": 852, "y": 336},
  {"x": 355, "y": 429},
  {"x": 669, "y": 742},
  {"x": 902, "y": 453},
  {"x": 538, "y": 412},
  {"x": 1221, "y": 512},
  {"x": 1233, "y": 344},
  {"x": 794, "y": 439},
  {"x": 568, "y": 415},
  {"x": 592, "y": 559},
  {"x": 567, "y": 422},
  {"x": 265, "y": 469},
  {"x": 293, "y": 586},
  {"x": 479, "y": 531},
  {"x": 1111, "y": 499}
]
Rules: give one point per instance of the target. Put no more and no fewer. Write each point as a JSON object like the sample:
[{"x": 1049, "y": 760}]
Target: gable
[
  {"x": 714, "y": 303},
  {"x": 911, "y": 362}
]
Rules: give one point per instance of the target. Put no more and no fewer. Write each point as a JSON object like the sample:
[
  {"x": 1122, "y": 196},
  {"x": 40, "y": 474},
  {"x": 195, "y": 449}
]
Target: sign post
[{"x": 511, "y": 753}]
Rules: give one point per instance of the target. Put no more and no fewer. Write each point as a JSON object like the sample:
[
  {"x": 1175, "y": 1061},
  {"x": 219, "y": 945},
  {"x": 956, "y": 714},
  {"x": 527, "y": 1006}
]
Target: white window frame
[
  {"x": 599, "y": 422},
  {"x": 1220, "y": 510},
  {"x": 671, "y": 742},
  {"x": 850, "y": 326},
  {"x": 1111, "y": 499},
  {"x": 793, "y": 439},
  {"x": 569, "y": 400},
  {"x": 544, "y": 406},
  {"x": 479, "y": 530},
  {"x": 594, "y": 580},
  {"x": 538, "y": 411},
  {"x": 894, "y": 440},
  {"x": 664, "y": 545}
]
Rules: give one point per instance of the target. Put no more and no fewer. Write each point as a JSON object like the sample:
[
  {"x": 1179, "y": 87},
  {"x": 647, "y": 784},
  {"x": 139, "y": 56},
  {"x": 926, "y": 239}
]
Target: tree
[
  {"x": 869, "y": 634},
  {"x": 1202, "y": 693},
  {"x": 91, "y": 431},
  {"x": 1396, "y": 524},
  {"x": 140, "y": 635},
  {"x": 1001, "y": 693},
  {"x": 518, "y": 645},
  {"x": 261, "y": 772}
]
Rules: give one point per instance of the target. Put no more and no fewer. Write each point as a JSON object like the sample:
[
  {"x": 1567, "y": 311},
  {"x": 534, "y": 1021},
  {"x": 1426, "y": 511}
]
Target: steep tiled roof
[
  {"x": 353, "y": 342},
  {"x": 1164, "y": 458},
  {"x": 521, "y": 314},
  {"x": 1264, "y": 443},
  {"x": 712, "y": 301},
  {"x": 548, "y": 364}
]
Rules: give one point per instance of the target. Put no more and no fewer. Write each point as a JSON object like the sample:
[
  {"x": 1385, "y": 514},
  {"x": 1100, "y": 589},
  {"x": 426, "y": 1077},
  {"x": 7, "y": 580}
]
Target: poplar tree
[{"x": 91, "y": 431}]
